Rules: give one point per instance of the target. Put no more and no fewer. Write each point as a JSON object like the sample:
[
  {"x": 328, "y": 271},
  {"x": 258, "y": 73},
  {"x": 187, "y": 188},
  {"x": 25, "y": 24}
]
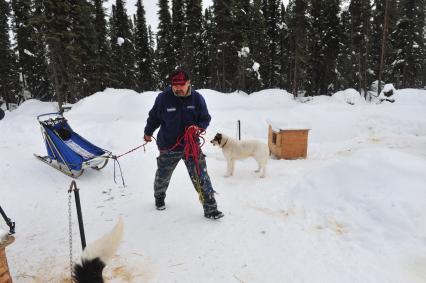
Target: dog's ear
[{"x": 218, "y": 137}]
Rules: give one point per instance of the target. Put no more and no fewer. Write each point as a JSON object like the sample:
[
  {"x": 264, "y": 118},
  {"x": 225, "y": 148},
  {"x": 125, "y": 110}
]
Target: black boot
[
  {"x": 214, "y": 214},
  {"x": 159, "y": 202}
]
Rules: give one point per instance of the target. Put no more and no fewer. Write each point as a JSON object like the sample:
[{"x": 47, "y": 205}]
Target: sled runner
[{"x": 67, "y": 151}]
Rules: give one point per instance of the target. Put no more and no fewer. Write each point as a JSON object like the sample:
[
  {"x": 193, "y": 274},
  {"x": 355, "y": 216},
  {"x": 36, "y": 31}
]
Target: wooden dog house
[
  {"x": 4, "y": 268},
  {"x": 288, "y": 143}
]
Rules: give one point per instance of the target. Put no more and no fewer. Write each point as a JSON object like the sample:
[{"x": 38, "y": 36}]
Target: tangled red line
[{"x": 192, "y": 141}]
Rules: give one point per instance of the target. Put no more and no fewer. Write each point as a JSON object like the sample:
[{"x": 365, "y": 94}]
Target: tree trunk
[
  {"x": 360, "y": 72},
  {"x": 294, "y": 89},
  {"x": 383, "y": 49}
]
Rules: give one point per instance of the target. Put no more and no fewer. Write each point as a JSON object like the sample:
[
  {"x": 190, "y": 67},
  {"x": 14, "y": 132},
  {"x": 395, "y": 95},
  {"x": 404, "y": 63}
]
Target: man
[{"x": 175, "y": 109}]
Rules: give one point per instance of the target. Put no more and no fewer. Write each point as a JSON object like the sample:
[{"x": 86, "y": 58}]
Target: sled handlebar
[{"x": 48, "y": 114}]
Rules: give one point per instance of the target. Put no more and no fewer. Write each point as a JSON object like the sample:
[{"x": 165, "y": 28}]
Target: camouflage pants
[{"x": 167, "y": 162}]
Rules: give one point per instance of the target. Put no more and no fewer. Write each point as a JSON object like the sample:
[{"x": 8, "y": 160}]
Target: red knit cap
[{"x": 179, "y": 78}]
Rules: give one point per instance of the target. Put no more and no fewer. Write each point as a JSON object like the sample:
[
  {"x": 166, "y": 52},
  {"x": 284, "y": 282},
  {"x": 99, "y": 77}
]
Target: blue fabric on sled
[{"x": 69, "y": 156}]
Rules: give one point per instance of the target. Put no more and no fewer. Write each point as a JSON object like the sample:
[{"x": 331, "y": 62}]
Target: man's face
[{"x": 181, "y": 90}]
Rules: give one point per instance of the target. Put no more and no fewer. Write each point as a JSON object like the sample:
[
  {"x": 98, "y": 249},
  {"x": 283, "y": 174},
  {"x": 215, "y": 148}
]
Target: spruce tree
[
  {"x": 83, "y": 50},
  {"x": 193, "y": 47},
  {"x": 330, "y": 45},
  {"x": 102, "y": 68},
  {"x": 122, "y": 48},
  {"x": 384, "y": 21},
  {"x": 43, "y": 89},
  {"x": 58, "y": 39},
  {"x": 208, "y": 50},
  {"x": 151, "y": 42},
  {"x": 31, "y": 49},
  {"x": 378, "y": 13},
  {"x": 264, "y": 8},
  {"x": 248, "y": 76},
  {"x": 165, "y": 52},
  {"x": 272, "y": 21},
  {"x": 297, "y": 24},
  {"x": 360, "y": 11},
  {"x": 423, "y": 71},
  {"x": 409, "y": 42},
  {"x": 315, "y": 65},
  {"x": 345, "y": 77},
  {"x": 178, "y": 31},
  {"x": 9, "y": 83},
  {"x": 283, "y": 52},
  {"x": 22, "y": 31},
  {"x": 224, "y": 69},
  {"x": 144, "y": 60},
  {"x": 323, "y": 47},
  {"x": 257, "y": 38}
]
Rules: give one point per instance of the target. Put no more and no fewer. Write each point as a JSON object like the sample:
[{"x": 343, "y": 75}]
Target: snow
[
  {"x": 353, "y": 211},
  {"x": 245, "y": 52},
  {"x": 255, "y": 69},
  {"x": 350, "y": 96},
  {"x": 388, "y": 87},
  {"x": 120, "y": 41},
  {"x": 28, "y": 53}
]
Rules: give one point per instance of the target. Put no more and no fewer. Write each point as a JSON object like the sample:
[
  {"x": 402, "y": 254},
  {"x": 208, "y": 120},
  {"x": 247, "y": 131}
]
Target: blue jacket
[{"x": 173, "y": 114}]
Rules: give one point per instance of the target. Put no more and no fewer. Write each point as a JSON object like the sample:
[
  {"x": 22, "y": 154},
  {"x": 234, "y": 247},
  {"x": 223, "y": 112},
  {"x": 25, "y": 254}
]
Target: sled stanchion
[
  {"x": 8, "y": 221},
  {"x": 239, "y": 129},
  {"x": 74, "y": 188}
]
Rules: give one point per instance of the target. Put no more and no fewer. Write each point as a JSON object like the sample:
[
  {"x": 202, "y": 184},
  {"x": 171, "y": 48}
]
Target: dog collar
[{"x": 225, "y": 143}]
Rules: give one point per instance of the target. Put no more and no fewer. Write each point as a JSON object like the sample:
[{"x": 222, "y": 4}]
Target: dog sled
[{"x": 67, "y": 151}]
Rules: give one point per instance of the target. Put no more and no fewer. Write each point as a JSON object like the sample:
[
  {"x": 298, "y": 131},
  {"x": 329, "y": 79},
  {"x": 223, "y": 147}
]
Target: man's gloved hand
[{"x": 147, "y": 138}]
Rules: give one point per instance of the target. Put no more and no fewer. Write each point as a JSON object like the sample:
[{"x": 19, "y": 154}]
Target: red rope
[
  {"x": 192, "y": 145},
  {"x": 143, "y": 145}
]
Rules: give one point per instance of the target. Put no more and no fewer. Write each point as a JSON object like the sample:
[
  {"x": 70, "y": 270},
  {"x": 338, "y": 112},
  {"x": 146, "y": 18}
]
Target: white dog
[
  {"x": 96, "y": 255},
  {"x": 234, "y": 149}
]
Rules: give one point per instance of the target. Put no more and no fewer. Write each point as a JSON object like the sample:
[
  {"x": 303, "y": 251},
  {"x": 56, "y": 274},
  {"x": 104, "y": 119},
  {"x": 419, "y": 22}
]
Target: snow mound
[
  {"x": 265, "y": 99},
  {"x": 109, "y": 105},
  {"x": 350, "y": 96},
  {"x": 33, "y": 108},
  {"x": 410, "y": 97},
  {"x": 369, "y": 193}
]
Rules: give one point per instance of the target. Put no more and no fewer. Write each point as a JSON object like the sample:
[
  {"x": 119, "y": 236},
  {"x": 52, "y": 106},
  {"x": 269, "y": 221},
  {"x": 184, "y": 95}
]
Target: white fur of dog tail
[{"x": 105, "y": 247}]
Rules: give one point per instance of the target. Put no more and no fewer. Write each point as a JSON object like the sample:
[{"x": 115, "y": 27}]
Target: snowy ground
[{"x": 353, "y": 211}]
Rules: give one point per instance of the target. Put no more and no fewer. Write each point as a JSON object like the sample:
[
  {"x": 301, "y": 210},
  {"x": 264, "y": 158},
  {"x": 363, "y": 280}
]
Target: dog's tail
[{"x": 96, "y": 255}]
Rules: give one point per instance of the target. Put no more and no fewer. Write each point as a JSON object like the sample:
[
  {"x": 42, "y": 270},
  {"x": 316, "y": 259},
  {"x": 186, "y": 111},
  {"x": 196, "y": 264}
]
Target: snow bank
[
  {"x": 353, "y": 211},
  {"x": 410, "y": 97},
  {"x": 372, "y": 193},
  {"x": 350, "y": 96}
]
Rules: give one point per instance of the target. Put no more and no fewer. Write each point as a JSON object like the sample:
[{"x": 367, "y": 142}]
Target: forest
[{"x": 66, "y": 50}]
